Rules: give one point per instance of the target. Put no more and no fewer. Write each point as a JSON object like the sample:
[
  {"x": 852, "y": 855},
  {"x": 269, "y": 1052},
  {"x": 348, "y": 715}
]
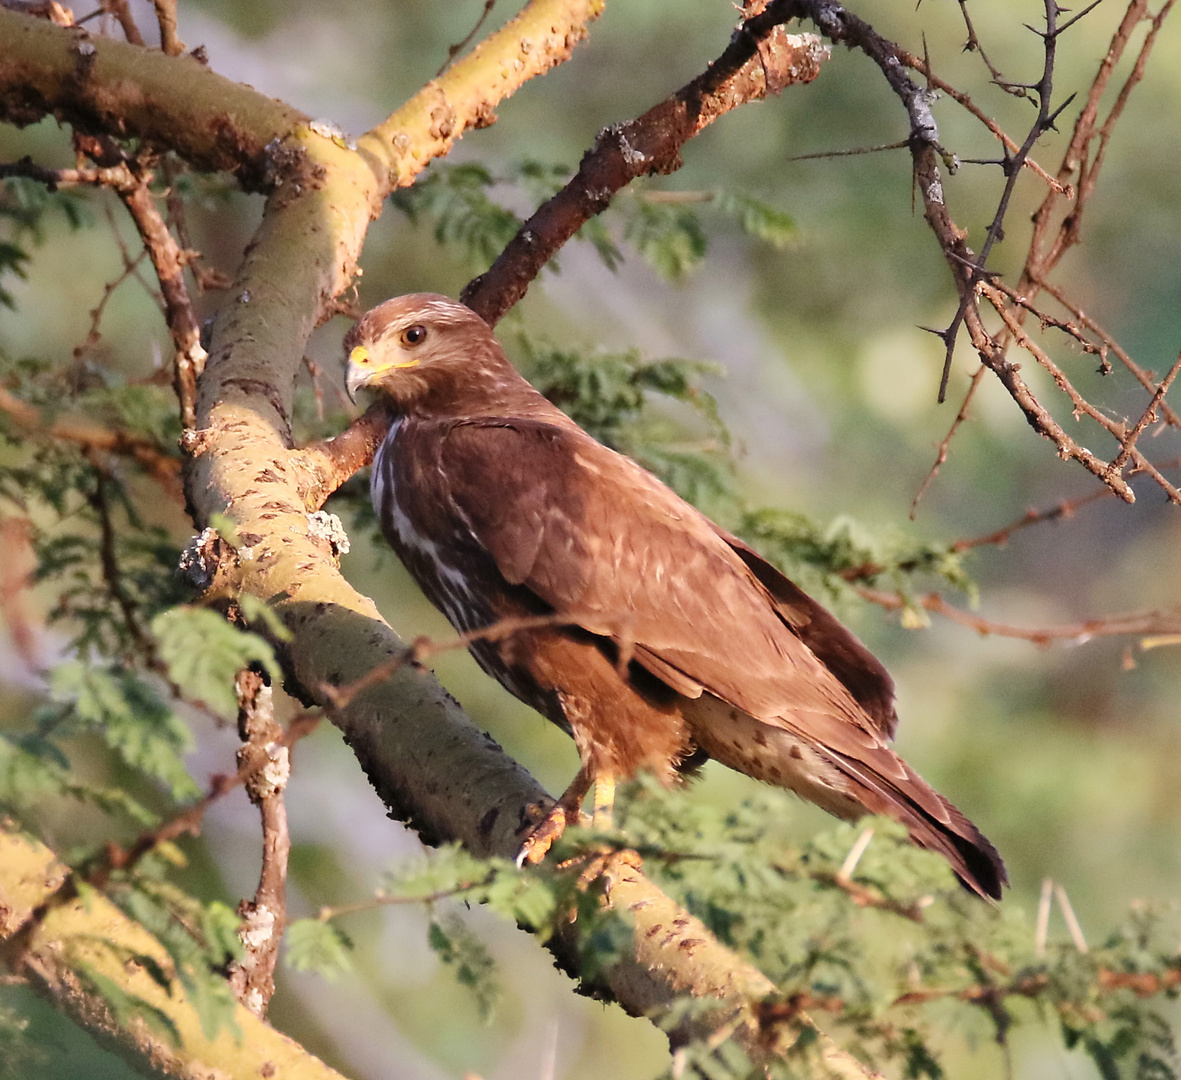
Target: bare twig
[
  {"x": 122, "y": 14},
  {"x": 1128, "y": 442},
  {"x": 1064, "y": 509},
  {"x": 1072, "y": 923},
  {"x": 204, "y": 277},
  {"x": 267, "y": 760},
  {"x": 454, "y": 50},
  {"x": 1041, "y": 420},
  {"x": 150, "y": 456},
  {"x": 1111, "y": 345},
  {"x": 1128, "y": 623},
  {"x": 59, "y": 178},
  {"x": 1042, "y": 930},
  {"x": 169, "y": 262},
  {"x": 166, "y": 18}
]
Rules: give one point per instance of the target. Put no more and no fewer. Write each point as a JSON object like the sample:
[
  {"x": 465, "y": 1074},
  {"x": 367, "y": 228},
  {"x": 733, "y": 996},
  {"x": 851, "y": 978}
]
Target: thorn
[
  {"x": 855, "y": 852},
  {"x": 1043, "y": 918},
  {"x": 1070, "y": 22}
]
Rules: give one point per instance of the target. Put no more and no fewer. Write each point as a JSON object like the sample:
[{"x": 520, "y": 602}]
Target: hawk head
[{"x": 429, "y": 355}]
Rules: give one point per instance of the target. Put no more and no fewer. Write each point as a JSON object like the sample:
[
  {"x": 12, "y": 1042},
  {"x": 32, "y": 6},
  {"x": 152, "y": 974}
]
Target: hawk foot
[
  {"x": 545, "y": 833},
  {"x": 601, "y": 863}
]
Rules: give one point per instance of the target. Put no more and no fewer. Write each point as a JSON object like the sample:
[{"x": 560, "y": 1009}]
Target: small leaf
[
  {"x": 759, "y": 219},
  {"x": 456, "y": 945},
  {"x": 204, "y": 653},
  {"x": 313, "y": 945},
  {"x": 670, "y": 238},
  {"x": 213, "y": 1000},
  {"x": 130, "y": 718}
]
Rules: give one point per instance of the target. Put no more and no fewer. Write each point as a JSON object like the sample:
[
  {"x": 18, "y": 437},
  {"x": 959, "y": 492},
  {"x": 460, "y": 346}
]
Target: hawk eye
[{"x": 414, "y": 335}]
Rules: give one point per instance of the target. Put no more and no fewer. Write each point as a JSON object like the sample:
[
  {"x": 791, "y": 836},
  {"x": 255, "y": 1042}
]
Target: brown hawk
[{"x": 670, "y": 640}]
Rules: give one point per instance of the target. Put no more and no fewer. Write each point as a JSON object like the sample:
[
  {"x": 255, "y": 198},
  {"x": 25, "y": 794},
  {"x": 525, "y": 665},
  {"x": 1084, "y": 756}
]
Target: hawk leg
[
  {"x": 604, "y": 802},
  {"x": 568, "y": 811}
]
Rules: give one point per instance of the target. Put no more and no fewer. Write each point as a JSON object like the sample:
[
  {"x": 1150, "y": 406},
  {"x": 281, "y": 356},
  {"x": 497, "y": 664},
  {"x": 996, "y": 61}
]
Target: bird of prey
[{"x": 652, "y": 636}]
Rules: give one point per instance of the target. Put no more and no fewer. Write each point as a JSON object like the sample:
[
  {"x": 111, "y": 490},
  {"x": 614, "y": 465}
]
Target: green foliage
[
  {"x": 24, "y": 207},
  {"x": 86, "y": 527},
  {"x": 203, "y": 653},
  {"x": 530, "y": 898},
  {"x": 456, "y": 198},
  {"x": 878, "y": 957},
  {"x": 670, "y": 238},
  {"x": 759, "y": 219},
  {"x": 200, "y": 938},
  {"x": 34, "y": 771},
  {"x": 828, "y": 558},
  {"x": 20, "y": 1056},
  {"x": 127, "y": 714},
  {"x": 115, "y": 591},
  {"x": 664, "y": 228},
  {"x": 454, "y": 942},
  {"x": 319, "y": 946}
]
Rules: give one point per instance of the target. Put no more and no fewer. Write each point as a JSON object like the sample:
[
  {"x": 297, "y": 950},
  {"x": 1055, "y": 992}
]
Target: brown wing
[
  {"x": 839, "y": 650},
  {"x": 592, "y": 534}
]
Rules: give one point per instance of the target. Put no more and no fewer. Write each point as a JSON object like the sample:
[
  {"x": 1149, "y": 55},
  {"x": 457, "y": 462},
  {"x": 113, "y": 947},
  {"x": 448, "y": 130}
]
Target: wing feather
[{"x": 592, "y": 534}]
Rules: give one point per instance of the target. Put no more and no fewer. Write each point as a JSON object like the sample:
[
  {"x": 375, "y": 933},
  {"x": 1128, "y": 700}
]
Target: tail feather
[
  {"x": 975, "y": 861},
  {"x": 848, "y": 771}
]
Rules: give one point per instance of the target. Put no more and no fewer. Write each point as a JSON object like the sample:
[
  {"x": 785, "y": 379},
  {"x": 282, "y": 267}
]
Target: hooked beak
[
  {"x": 358, "y": 373},
  {"x": 361, "y": 370}
]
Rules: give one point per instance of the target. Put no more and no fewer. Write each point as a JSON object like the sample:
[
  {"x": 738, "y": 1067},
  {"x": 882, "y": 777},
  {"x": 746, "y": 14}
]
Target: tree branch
[
  {"x": 101, "y": 84},
  {"x": 761, "y": 59},
  {"x": 61, "y": 944},
  {"x": 1139, "y": 623},
  {"x": 268, "y": 762}
]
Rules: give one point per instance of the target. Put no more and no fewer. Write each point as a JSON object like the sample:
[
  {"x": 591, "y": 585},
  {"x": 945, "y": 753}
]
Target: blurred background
[{"x": 1066, "y": 756}]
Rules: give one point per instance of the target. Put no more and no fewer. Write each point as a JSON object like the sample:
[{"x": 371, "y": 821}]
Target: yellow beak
[{"x": 361, "y": 370}]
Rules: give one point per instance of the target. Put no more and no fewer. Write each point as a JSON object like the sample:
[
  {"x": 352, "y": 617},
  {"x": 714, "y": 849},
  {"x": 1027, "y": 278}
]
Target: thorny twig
[
  {"x": 1053, "y": 234},
  {"x": 1011, "y": 165}
]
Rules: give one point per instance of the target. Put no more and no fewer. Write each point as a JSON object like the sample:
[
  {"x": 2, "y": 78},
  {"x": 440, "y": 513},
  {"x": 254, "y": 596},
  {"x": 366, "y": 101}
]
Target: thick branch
[
  {"x": 103, "y": 85},
  {"x": 61, "y": 945}
]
